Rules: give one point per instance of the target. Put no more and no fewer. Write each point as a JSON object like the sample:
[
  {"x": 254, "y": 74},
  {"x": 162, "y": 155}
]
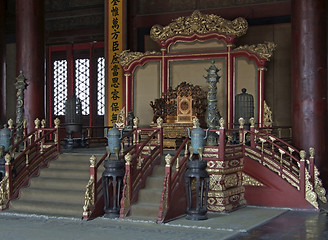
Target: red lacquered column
[
  {"x": 309, "y": 76},
  {"x": 2, "y": 64},
  {"x": 30, "y": 56}
]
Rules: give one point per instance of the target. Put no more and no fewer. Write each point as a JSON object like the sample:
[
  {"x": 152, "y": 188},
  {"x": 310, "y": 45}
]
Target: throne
[{"x": 177, "y": 107}]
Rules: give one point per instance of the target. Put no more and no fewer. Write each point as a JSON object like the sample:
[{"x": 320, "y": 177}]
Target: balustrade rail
[
  {"x": 25, "y": 158},
  {"x": 140, "y": 155},
  {"x": 287, "y": 162}
]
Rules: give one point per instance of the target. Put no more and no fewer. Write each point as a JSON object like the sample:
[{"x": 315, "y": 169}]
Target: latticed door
[{"x": 78, "y": 69}]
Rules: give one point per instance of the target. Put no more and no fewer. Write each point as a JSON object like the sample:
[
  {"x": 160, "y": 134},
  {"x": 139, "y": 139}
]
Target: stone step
[
  {"x": 46, "y": 208},
  {"x": 145, "y": 211},
  {"x": 71, "y": 164},
  {"x": 53, "y": 195},
  {"x": 57, "y": 183},
  {"x": 65, "y": 173},
  {"x": 155, "y": 182},
  {"x": 149, "y": 196}
]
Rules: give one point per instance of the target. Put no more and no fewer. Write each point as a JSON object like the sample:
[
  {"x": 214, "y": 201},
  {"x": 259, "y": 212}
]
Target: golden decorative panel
[
  {"x": 126, "y": 57},
  {"x": 199, "y": 23},
  {"x": 250, "y": 181},
  {"x": 264, "y": 50}
]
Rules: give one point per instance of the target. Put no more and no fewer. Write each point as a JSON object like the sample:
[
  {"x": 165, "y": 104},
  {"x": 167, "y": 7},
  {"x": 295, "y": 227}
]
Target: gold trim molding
[
  {"x": 264, "y": 50},
  {"x": 126, "y": 57},
  {"x": 250, "y": 181},
  {"x": 201, "y": 24}
]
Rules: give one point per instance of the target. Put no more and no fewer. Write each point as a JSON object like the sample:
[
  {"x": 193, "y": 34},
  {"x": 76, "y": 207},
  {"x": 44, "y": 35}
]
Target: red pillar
[
  {"x": 2, "y": 63},
  {"x": 30, "y": 56},
  {"x": 309, "y": 76}
]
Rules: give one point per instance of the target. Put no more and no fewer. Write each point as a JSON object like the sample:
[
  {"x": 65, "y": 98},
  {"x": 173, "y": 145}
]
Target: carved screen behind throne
[{"x": 188, "y": 45}]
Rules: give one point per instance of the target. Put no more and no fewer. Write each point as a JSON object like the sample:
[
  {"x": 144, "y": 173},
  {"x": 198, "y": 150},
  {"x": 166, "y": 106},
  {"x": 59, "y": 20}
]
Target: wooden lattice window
[{"x": 78, "y": 69}]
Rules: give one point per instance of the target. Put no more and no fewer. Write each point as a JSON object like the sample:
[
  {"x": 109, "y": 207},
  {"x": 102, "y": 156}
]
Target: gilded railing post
[
  {"x": 136, "y": 131},
  {"x": 6, "y": 185},
  {"x": 8, "y": 159},
  {"x": 57, "y": 122},
  {"x": 302, "y": 172},
  {"x": 241, "y": 130},
  {"x": 160, "y": 135},
  {"x": 317, "y": 183},
  {"x": 311, "y": 164},
  {"x": 11, "y": 128},
  {"x": 252, "y": 128},
  {"x": 221, "y": 139},
  {"x": 126, "y": 196},
  {"x": 167, "y": 193},
  {"x": 93, "y": 172},
  {"x": 37, "y": 123},
  {"x": 91, "y": 190}
]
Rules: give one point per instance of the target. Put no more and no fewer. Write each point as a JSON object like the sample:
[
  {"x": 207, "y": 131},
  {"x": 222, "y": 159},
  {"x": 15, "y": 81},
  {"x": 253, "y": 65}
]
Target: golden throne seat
[{"x": 178, "y": 107}]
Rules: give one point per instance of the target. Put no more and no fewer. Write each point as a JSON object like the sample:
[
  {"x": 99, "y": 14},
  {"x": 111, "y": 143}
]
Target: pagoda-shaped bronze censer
[{"x": 73, "y": 123}]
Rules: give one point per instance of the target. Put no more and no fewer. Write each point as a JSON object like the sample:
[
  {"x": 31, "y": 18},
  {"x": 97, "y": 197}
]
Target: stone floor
[{"x": 246, "y": 223}]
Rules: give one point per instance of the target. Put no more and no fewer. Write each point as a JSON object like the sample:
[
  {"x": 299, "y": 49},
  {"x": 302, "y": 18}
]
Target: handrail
[
  {"x": 280, "y": 158},
  {"x": 172, "y": 183},
  {"x": 37, "y": 152},
  {"x": 139, "y": 166},
  {"x": 93, "y": 193}
]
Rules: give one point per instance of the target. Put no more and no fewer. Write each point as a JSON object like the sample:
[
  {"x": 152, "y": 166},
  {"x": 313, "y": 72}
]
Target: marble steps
[
  {"x": 147, "y": 206},
  {"x": 59, "y": 189}
]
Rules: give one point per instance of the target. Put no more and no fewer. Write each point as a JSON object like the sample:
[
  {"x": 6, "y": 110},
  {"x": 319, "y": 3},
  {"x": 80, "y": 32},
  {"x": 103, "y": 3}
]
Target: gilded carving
[
  {"x": 168, "y": 159},
  {"x": 310, "y": 195},
  {"x": 215, "y": 182},
  {"x": 4, "y": 192},
  {"x": 200, "y": 24},
  {"x": 211, "y": 150},
  {"x": 93, "y": 161},
  {"x": 320, "y": 191},
  {"x": 264, "y": 50},
  {"x": 250, "y": 181},
  {"x": 267, "y": 115},
  {"x": 291, "y": 179},
  {"x": 231, "y": 180},
  {"x": 89, "y": 201},
  {"x": 127, "y": 193},
  {"x": 126, "y": 57},
  {"x": 253, "y": 152},
  {"x": 120, "y": 123}
]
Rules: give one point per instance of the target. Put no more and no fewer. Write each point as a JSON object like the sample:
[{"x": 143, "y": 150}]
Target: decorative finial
[{"x": 168, "y": 159}]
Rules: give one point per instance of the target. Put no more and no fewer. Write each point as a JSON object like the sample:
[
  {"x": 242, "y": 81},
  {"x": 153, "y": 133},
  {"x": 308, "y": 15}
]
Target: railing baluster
[{"x": 302, "y": 172}]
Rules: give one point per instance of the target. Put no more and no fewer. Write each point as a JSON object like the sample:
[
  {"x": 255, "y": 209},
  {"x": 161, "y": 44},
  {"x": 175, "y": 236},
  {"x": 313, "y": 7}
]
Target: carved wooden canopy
[{"x": 188, "y": 45}]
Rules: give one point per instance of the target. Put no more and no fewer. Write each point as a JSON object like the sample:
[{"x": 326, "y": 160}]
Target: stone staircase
[
  {"x": 147, "y": 206},
  {"x": 59, "y": 190}
]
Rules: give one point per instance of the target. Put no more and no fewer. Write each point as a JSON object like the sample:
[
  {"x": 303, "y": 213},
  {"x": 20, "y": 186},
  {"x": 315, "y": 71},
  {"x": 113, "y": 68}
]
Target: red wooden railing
[
  {"x": 25, "y": 158},
  {"x": 140, "y": 165},
  {"x": 141, "y": 156},
  {"x": 93, "y": 206},
  {"x": 173, "y": 185},
  {"x": 286, "y": 161}
]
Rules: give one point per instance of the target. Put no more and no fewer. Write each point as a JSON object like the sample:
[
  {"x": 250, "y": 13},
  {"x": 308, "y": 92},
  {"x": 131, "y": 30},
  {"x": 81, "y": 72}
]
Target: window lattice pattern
[
  {"x": 82, "y": 83},
  {"x": 101, "y": 86},
  {"x": 60, "y": 86}
]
